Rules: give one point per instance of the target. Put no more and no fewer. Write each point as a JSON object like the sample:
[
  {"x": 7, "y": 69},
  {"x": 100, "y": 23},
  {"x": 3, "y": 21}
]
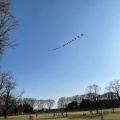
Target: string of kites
[{"x": 68, "y": 42}]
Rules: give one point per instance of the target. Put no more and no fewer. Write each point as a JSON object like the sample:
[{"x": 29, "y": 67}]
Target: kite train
[{"x": 68, "y": 42}]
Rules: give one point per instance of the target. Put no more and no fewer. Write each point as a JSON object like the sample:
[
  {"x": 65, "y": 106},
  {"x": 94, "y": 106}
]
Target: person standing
[
  {"x": 62, "y": 114},
  {"x": 53, "y": 115},
  {"x": 102, "y": 115}
]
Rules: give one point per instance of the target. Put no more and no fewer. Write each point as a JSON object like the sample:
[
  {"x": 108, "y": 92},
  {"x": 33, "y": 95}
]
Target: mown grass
[{"x": 108, "y": 115}]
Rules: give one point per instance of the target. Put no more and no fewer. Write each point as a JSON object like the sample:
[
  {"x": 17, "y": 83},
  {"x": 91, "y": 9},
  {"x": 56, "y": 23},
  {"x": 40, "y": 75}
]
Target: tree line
[
  {"x": 92, "y": 99},
  {"x": 28, "y": 106}
]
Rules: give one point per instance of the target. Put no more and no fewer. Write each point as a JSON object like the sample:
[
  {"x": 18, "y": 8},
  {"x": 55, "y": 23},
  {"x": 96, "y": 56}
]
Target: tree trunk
[
  {"x": 66, "y": 114},
  {"x": 96, "y": 107},
  {"x": 5, "y": 113},
  {"x": 96, "y": 111},
  {"x": 5, "y": 116}
]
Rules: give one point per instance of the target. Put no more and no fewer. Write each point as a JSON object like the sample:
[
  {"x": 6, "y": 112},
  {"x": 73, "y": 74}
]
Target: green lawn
[{"x": 108, "y": 115}]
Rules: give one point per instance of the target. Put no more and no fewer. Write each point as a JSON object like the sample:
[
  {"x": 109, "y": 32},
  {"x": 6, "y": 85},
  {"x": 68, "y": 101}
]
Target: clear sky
[{"x": 47, "y": 24}]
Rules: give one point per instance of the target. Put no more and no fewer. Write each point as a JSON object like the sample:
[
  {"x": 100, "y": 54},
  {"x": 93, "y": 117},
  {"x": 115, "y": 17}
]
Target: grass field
[{"x": 108, "y": 115}]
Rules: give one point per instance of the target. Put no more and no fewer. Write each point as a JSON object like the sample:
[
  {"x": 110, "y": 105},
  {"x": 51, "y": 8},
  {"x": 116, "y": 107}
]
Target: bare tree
[
  {"x": 62, "y": 102},
  {"x": 111, "y": 96},
  {"x": 49, "y": 103},
  {"x": 7, "y": 23},
  {"x": 69, "y": 99},
  {"x": 40, "y": 104},
  {"x": 92, "y": 93},
  {"x": 31, "y": 102},
  {"x": 26, "y": 101},
  {"x": 114, "y": 86},
  {"x": 19, "y": 104},
  {"x": 113, "y": 91},
  {"x": 4, "y": 77},
  {"x": 7, "y": 97},
  {"x": 77, "y": 97}
]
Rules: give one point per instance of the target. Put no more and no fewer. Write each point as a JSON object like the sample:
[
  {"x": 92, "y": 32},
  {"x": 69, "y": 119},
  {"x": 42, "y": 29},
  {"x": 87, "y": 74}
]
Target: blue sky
[{"x": 47, "y": 24}]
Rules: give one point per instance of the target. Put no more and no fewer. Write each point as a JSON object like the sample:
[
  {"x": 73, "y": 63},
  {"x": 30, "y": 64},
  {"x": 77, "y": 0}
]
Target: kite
[{"x": 68, "y": 42}]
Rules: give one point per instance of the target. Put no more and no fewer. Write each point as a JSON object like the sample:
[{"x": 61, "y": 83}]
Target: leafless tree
[
  {"x": 114, "y": 86},
  {"x": 7, "y": 23},
  {"x": 7, "y": 97},
  {"x": 114, "y": 90},
  {"x": 49, "y": 103},
  {"x": 69, "y": 99},
  {"x": 40, "y": 104},
  {"x": 109, "y": 95},
  {"x": 4, "y": 77},
  {"x": 77, "y": 97},
  {"x": 31, "y": 102},
  {"x": 92, "y": 93},
  {"x": 19, "y": 101},
  {"x": 62, "y": 102},
  {"x": 26, "y": 100}
]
